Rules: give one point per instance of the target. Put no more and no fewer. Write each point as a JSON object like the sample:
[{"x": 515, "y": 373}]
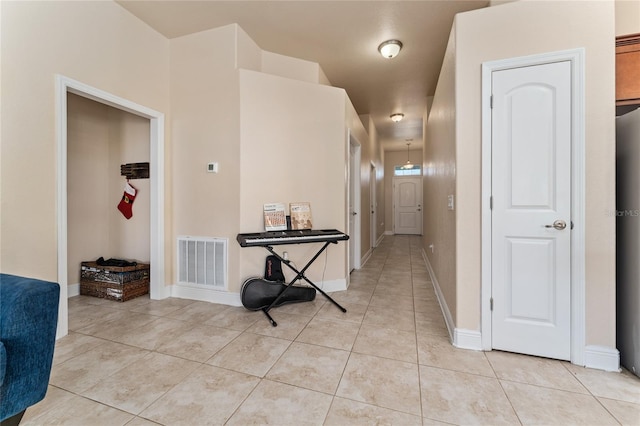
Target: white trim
[
  {"x": 366, "y": 257},
  {"x": 448, "y": 318},
  {"x": 73, "y": 290},
  {"x": 388, "y": 233},
  {"x": 66, "y": 85},
  {"x": 379, "y": 240},
  {"x": 602, "y": 358},
  {"x": 354, "y": 234},
  {"x": 576, "y": 57},
  {"x": 467, "y": 339},
  {"x": 200, "y": 293}
]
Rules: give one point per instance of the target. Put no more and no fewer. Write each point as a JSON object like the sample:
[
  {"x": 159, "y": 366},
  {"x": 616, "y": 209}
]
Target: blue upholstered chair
[{"x": 28, "y": 320}]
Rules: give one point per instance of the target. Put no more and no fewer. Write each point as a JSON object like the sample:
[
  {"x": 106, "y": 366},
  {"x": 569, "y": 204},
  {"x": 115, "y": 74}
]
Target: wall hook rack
[{"x": 135, "y": 170}]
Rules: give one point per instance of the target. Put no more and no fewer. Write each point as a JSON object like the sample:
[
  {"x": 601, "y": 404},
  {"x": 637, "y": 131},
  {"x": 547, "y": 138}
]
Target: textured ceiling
[{"x": 342, "y": 36}]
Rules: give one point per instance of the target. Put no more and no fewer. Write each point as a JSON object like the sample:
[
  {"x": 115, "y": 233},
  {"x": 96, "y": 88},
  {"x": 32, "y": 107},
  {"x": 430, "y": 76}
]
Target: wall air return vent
[{"x": 203, "y": 261}]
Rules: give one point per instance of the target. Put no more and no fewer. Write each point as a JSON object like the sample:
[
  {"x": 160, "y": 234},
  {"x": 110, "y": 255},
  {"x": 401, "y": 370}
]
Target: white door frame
[
  {"x": 373, "y": 204},
  {"x": 66, "y": 85},
  {"x": 576, "y": 57},
  {"x": 354, "y": 179}
]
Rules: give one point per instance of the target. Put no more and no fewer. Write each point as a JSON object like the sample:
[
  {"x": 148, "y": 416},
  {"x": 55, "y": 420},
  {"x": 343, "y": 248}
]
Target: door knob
[
  {"x": 354, "y": 213},
  {"x": 558, "y": 224}
]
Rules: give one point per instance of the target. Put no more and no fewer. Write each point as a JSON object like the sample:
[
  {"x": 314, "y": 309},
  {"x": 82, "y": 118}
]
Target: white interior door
[
  {"x": 374, "y": 204},
  {"x": 407, "y": 202},
  {"x": 531, "y": 214}
]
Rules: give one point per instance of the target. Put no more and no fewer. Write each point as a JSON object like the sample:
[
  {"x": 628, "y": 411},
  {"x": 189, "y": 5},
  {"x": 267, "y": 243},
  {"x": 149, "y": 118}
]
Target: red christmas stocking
[{"x": 127, "y": 200}]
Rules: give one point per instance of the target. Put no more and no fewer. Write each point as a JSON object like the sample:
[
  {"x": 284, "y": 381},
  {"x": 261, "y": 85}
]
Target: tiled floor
[{"x": 387, "y": 361}]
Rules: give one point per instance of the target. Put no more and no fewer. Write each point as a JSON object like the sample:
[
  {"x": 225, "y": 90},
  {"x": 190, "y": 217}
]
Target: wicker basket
[{"x": 113, "y": 282}]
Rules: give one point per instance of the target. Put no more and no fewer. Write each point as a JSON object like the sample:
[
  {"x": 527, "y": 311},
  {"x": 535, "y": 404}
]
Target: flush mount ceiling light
[
  {"x": 408, "y": 164},
  {"x": 390, "y": 48},
  {"x": 397, "y": 116}
]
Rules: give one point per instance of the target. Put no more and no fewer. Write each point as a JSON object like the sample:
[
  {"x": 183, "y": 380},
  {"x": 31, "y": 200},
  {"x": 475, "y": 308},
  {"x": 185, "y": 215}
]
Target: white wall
[{"x": 391, "y": 160}]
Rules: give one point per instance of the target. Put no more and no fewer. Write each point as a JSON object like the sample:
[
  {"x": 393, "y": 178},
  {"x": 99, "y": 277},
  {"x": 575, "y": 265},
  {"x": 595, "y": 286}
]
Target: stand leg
[
  {"x": 300, "y": 275},
  {"x": 271, "y": 320}
]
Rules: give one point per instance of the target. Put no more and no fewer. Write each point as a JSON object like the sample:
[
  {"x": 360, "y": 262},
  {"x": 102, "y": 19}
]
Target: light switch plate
[{"x": 212, "y": 167}]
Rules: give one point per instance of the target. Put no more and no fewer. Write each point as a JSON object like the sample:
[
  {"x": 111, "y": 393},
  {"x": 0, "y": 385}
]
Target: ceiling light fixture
[
  {"x": 397, "y": 116},
  {"x": 390, "y": 48},
  {"x": 408, "y": 164}
]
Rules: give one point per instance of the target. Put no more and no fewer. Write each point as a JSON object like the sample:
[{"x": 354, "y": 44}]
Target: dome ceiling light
[
  {"x": 390, "y": 48},
  {"x": 397, "y": 117}
]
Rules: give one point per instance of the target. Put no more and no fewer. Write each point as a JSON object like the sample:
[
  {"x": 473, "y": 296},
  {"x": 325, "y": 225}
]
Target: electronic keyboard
[{"x": 272, "y": 238}]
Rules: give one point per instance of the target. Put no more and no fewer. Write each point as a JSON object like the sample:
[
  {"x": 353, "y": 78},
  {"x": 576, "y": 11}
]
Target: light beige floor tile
[
  {"x": 198, "y": 342},
  {"x": 87, "y": 315},
  {"x": 389, "y": 317},
  {"x": 434, "y": 314},
  {"x": 437, "y": 351},
  {"x": 87, "y": 369},
  {"x": 462, "y": 398},
  {"x": 332, "y": 334},
  {"x": 74, "y": 344},
  {"x": 382, "y": 382},
  {"x": 198, "y": 312},
  {"x": 251, "y": 354},
  {"x": 289, "y": 326},
  {"x": 344, "y": 412},
  {"x": 427, "y": 327},
  {"x": 626, "y": 413},
  {"x": 163, "y": 307},
  {"x": 82, "y": 300},
  {"x": 308, "y": 309},
  {"x": 426, "y": 305},
  {"x": 394, "y": 289},
  {"x": 360, "y": 297},
  {"x": 311, "y": 367},
  {"x": 622, "y": 386},
  {"x": 537, "y": 405},
  {"x": 129, "y": 304},
  {"x": 136, "y": 386},
  {"x": 209, "y": 396},
  {"x": 235, "y": 318},
  {"x": 355, "y": 312},
  {"x": 151, "y": 335},
  {"x": 115, "y": 327},
  {"x": 273, "y": 403},
  {"x": 139, "y": 421},
  {"x": 533, "y": 371},
  {"x": 64, "y": 408},
  {"x": 389, "y": 299},
  {"x": 387, "y": 343}
]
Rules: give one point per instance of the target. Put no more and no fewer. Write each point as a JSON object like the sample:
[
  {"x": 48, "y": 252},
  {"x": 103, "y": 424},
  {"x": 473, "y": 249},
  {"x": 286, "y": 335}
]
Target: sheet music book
[
  {"x": 300, "y": 215},
  {"x": 275, "y": 217}
]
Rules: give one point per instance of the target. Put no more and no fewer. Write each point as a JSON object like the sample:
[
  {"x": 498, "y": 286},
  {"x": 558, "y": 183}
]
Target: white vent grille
[{"x": 203, "y": 261}]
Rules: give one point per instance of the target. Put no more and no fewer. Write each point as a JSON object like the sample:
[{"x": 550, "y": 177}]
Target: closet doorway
[{"x": 155, "y": 187}]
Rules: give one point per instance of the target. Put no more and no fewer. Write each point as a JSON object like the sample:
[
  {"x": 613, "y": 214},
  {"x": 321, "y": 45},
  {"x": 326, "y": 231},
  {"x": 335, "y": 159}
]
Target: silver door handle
[
  {"x": 558, "y": 224},
  {"x": 354, "y": 213}
]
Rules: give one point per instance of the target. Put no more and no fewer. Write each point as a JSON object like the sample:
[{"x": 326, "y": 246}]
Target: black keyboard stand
[{"x": 300, "y": 276}]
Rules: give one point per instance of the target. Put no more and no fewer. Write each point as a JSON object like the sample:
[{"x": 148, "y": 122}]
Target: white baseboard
[
  {"x": 602, "y": 358},
  {"x": 73, "y": 290},
  {"x": 388, "y": 233},
  {"x": 183, "y": 291},
  {"x": 448, "y": 319},
  {"x": 467, "y": 339},
  {"x": 379, "y": 240},
  {"x": 365, "y": 258}
]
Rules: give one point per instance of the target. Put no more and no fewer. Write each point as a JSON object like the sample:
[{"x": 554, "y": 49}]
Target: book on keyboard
[{"x": 271, "y": 238}]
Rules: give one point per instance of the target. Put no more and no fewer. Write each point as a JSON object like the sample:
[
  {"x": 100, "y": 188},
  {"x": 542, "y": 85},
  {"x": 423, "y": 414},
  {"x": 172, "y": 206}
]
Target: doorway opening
[
  {"x": 64, "y": 86},
  {"x": 353, "y": 220}
]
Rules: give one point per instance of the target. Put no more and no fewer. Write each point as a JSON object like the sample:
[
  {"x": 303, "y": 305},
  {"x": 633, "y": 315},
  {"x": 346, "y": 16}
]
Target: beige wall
[
  {"x": 440, "y": 179},
  {"x": 97, "y": 43},
  {"x": 99, "y": 139},
  {"x": 627, "y": 17},
  {"x": 293, "y": 144},
  {"x": 525, "y": 28},
  {"x": 372, "y": 155},
  {"x": 391, "y": 160}
]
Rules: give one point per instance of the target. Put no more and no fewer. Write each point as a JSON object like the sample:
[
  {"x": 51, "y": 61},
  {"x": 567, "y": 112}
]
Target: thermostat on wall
[{"x": 212, "y": 167}]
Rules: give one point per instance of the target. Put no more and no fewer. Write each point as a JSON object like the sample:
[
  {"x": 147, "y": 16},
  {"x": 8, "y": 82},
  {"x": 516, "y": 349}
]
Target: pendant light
[{"x": 408, "y": 164}]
